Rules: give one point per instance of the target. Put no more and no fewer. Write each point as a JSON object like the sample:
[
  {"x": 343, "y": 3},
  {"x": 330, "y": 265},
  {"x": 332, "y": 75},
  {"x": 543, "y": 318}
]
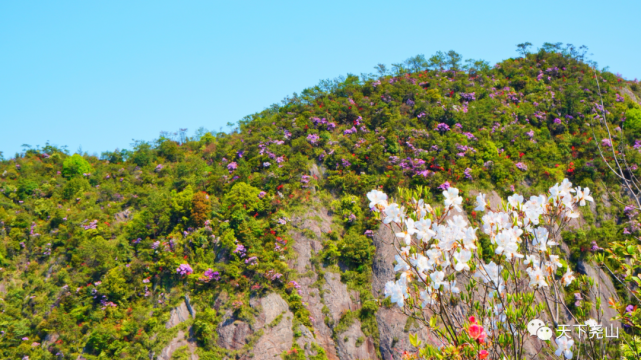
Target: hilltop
[{"x": 221, "y": 244}]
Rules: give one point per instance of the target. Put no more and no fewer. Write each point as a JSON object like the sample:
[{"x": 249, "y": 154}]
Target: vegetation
[{"x": 96, "y": 250}]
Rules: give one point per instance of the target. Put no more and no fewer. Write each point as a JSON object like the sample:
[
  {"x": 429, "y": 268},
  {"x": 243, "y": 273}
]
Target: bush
[
  {"x": 75, "y": 165},
  {"x": 74, "y": 186},
  {"x": 633, "y": 120}
]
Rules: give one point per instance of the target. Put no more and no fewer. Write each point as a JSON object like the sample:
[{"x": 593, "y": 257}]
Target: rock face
[
  {"x": 276, "y": 322},
  {"x": 232, "y": 333},
  {"x": 352, "y": 344},
  {"x": 179, "y": 341},
  {"x": 629, "y": 93},
  {"x": 178, "y": 315},
  {"x": 328, "y": 305},
  {"x": 607, "y": 290},
  {"x": 391, "y": 323}
]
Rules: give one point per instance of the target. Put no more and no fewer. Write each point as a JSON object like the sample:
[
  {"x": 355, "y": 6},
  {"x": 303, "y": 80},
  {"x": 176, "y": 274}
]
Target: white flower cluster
[{"x": 434, "y": 248}]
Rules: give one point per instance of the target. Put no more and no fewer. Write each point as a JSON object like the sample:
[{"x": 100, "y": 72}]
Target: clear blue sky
[{"x": 98, "y": 74}]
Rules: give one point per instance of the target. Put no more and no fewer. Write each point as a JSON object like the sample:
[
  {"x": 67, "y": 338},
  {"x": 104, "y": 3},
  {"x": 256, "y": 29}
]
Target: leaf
[
  {"x": 414, "y": 340},
  {"x": 433, "y": 321},
  {"x": 630, "y": 249}
]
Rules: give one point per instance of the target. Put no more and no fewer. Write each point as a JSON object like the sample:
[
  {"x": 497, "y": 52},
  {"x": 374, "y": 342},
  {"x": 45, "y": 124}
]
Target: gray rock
[
  {"x": 50, "y": 339},
  {"x": 606, "y": 290},
  {"x": 630, "y": 94},
  {"x": 123, "y": 216},
  {"x": 179, "y": 341},
  {"x": 382, "y": 267},
  {"x": 178, "y": 314},
  {"x": 337, "y": 297},
  {"x": 233, "y": 333},
  {"x": 351, "y": 349},
  {"x": 275, "y": 339}
]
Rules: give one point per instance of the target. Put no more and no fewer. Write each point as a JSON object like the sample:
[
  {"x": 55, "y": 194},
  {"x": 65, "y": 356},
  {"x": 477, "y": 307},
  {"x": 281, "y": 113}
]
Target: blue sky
[{"x": 98, "y": 74}]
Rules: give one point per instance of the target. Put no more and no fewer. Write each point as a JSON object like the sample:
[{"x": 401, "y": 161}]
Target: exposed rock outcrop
[
  {"x": 178, "y": 315},
  {"x": 275, "y": 320},
  {"x": 328, "y": 305},
  {"x": 232, "y": 333},
  {"x": 176, "y": 343},
  {"x": 352, "y": 344}
]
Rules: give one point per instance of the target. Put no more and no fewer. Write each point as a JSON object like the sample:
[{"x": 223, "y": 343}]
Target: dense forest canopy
[{"x": 97, "y": 250}]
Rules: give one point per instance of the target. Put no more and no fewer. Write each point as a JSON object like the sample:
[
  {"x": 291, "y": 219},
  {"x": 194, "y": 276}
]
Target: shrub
[{"x": 75, "y": 165}]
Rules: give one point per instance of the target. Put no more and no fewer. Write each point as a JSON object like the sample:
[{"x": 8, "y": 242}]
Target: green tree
[
  {"x": 75, "y": 165},
  {"x": 523, "y": 48},
  {"x": 633, "y": 120}
]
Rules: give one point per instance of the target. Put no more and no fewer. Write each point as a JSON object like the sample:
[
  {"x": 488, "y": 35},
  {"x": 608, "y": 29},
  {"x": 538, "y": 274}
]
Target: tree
[
  {"x": 200, "y": 208},
  {"x": 474, "y": 66},
  {"x": 416, "y": 63},
  {"x": 381, "y": 68},
  {"x": 399, "y": 69},
  {"x": 524, "y": 48},
  {"x": 453, "y": 60},
  {"x": 549, "y": 47},
  {"x": 436, "y": 61},
  {"x": 75, "y": 165},
  {"x": 497, "y": 296}
]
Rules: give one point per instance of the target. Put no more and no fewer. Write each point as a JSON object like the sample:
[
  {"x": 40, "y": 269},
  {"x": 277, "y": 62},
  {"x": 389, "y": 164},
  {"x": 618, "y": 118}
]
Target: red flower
[
  {"x": 483, "y": 354},
  {"x": 476, "y": 331}
]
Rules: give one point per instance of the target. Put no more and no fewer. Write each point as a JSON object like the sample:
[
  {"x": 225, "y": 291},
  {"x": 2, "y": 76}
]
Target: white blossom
[
  {"x": 393, "y": 213},
  {"x": 563, "y": 347},
  {"x": 583, "y": 195},
  {"x": 480, "y": 203},
  {"x": 568, "y": 277},
  {"x": 423, "y": 230},
  {"x": 515, "y": 201},
  {"x": 397, "y": 291},
  {"x": 537, "y": 279},
  {"x": 377, "y": 198},
  {"x": 452, "y": 198},
  {"x": 462, "y": 259},
  {"x": 437, "y": 279},
  {"x": 401, "y": 265}
]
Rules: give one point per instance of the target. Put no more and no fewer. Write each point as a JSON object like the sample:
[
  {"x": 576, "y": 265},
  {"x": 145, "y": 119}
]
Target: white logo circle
[
  {"x": 544, "y": 333},
  {"x": 534, "y": 325}
]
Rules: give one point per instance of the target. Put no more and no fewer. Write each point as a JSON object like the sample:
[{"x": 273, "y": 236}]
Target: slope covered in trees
[{"x": 97, "y": 250}]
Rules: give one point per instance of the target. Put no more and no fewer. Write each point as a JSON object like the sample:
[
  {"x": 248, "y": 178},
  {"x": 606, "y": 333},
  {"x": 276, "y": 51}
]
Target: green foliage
[
  {"x": 75, "y": 165},
  {"x": 633, "y": 120},
  {"x": 204, "y": 328},
  {"x": 356, "y": 250},
  {"x": 73, "y": 187}
]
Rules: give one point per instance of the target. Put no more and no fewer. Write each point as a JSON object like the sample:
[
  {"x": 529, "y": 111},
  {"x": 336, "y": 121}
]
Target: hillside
[{"x": 259, "y": 242}]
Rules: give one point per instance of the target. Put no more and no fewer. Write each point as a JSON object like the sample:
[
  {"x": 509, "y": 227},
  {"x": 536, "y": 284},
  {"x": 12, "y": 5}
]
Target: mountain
[{"x": 259, "y": 243}]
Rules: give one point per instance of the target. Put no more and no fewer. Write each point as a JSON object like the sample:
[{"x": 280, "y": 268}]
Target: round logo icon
[
  {"x": 544, "y": 333},
  {"x": 534, "y": 325}
]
